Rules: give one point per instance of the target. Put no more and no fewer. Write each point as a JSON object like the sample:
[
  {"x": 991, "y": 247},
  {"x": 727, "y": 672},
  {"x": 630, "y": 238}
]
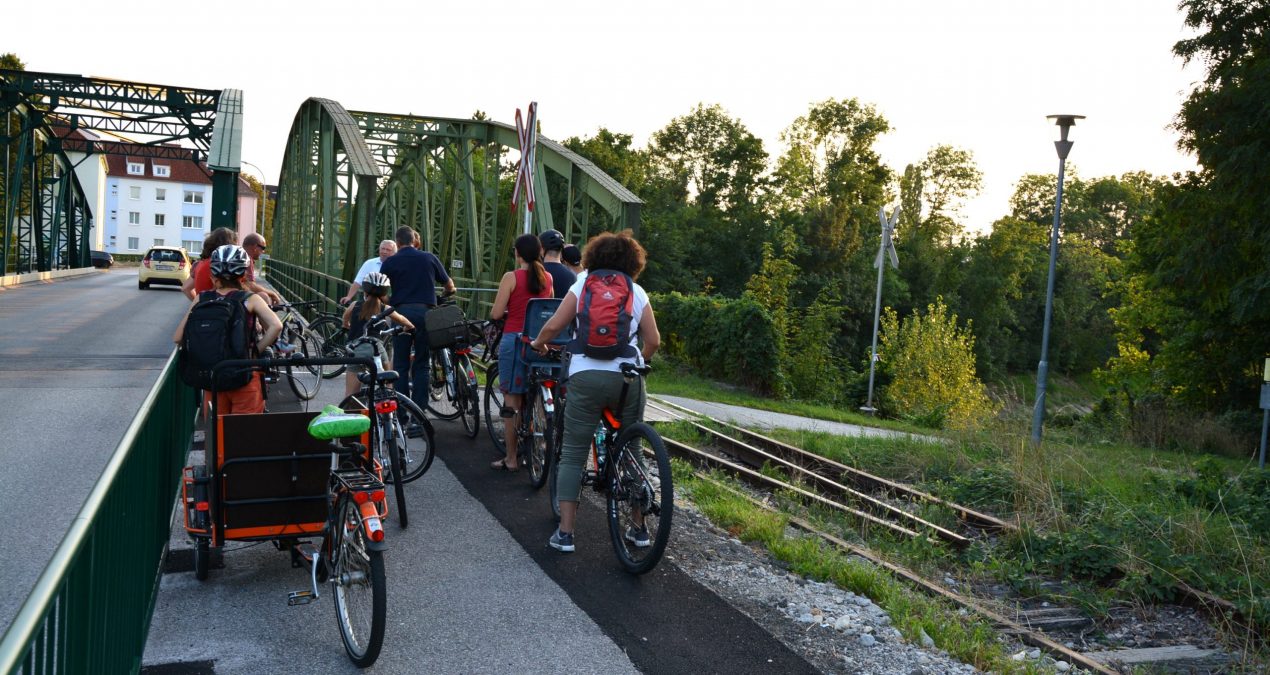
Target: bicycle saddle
[{"x": 383, "y": 376}]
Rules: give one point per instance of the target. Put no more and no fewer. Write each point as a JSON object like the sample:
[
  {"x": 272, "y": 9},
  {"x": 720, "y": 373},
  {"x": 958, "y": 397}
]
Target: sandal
[{"x": 501, "y": 465}]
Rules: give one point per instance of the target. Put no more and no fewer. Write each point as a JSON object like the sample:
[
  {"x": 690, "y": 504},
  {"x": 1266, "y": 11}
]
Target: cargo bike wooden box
[{"x": 268, "y": 477}]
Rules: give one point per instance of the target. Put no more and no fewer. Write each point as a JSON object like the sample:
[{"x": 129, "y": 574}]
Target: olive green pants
[{"x": 589, "y": 393}]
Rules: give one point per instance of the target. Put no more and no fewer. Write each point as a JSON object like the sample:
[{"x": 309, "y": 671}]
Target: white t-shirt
[
  {"x": 369, "y": 266},
  {"x": 581, "y": 362}
]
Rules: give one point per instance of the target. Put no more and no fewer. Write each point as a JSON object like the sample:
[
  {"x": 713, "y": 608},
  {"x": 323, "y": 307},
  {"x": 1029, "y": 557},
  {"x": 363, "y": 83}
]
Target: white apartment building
[{"x": 155, "y": 202}]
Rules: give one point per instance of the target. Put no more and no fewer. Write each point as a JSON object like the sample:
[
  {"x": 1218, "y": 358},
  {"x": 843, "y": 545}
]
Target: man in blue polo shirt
[{"x": 415, "y": 275}]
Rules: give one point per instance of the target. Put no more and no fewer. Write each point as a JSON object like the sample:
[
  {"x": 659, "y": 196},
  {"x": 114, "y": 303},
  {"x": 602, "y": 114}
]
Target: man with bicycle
[
  {"x": 414, "y": 275},
  {"x": 387, "y": 249}
]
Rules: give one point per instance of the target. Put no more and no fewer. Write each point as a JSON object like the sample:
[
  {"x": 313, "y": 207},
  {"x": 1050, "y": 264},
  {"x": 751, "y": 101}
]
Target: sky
[{"x": 976, "y": 74}]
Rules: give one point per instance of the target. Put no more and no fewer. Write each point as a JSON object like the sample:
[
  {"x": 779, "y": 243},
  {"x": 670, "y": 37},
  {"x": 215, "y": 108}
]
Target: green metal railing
[{"x": 90, "y": 610}]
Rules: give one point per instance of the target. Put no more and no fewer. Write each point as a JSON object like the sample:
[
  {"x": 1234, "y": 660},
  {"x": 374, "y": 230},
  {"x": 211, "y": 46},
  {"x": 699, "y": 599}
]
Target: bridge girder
[
  {"x": 442, "y": 176},
  {"x": 46, "y": 215}
]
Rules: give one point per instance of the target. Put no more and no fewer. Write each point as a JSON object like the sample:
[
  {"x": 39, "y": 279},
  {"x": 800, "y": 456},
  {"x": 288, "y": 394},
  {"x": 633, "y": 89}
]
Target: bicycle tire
[
  {"x": 397, "y": 470},
  {"x": 441, "y": 399},
  {"x": 493, "y": 407},
  {"x": 419, "y": 444},
  {"x": 202, "y": 558},
  {"x": 355, "y": 570},
  {"x": 649, "y": 489},
  {"x": 553, "y": 489},
  {"x": 541, "y": 439},
  {"x": 333, "y": 337},
  {"x": 302, "y": 380},
  {"x": 467, "y": 396}
]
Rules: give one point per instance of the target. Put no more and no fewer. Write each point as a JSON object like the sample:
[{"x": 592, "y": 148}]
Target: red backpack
[{"x": 605, "y": 313}]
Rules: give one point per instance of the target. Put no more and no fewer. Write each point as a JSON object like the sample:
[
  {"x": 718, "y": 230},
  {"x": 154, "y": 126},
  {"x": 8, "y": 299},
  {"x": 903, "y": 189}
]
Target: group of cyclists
[{"x": 405, "y": 277}]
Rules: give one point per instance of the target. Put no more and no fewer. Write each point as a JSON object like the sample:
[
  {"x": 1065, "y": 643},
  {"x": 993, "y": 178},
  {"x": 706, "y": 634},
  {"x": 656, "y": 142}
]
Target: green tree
[
  {"x": 1201, "y": 302},
  {"x": 930, "y": 364},
  {"x": 10, "y": 61}
]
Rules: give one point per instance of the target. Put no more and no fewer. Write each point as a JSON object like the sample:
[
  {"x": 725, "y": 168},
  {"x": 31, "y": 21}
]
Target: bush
[
  {"x": 931, "y": 366},
  {"x": 733, "y": 340}
]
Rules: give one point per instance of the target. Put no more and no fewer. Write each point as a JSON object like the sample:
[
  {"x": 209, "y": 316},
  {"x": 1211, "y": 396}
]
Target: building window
[
  {"x": 158, "y": 242},
  {"x": 192, "y": 245},
  {"x": 134, "y": 243},
  {"x": 134, "y": 192},
  {"x": 136, "y": 169},
  {"x": 160, "y": 195},
  {"x": 160, "y": 219},
  {"x": 162, "y": 171},
  {"x": 134, "y": 217},
  {"x": 192, "y": 222},
  {"x": 193, "y": 197},
  {"x": 113, "y": 215}
]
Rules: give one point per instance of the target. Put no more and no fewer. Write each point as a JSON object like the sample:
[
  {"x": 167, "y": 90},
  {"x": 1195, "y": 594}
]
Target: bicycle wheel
[
  {"x": 541, "y": 441},
  {"x": 467, "y": 395},
  {"x": 636, "y": 487},
  {"x": 304, "y": 381},
  {"x": 415, "y": 439},
  {"x": 441, "y": 386},
  {"x": 552, "y": 488},
  {"x": 397, "y": 468},
  {"x": 494, "y": 404},
  {"x": 332, "y": 337},
  {"x": 359, "y": 586}
]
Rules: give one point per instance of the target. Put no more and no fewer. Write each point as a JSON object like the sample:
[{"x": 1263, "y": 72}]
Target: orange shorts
[{"x": 247, "y": 399}]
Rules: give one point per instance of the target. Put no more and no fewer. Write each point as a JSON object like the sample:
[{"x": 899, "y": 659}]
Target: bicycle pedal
[{"x": 300, "y": 598}]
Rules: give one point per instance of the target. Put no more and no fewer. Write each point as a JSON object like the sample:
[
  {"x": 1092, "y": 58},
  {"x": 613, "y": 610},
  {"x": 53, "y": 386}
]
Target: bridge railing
[{"x": 90, "y": 610}]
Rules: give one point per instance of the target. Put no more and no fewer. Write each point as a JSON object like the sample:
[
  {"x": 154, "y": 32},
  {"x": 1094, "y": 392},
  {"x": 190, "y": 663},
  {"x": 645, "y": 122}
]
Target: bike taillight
[
  {"x": 550, "y": 384},
  {"x": 385, "y": 407}
]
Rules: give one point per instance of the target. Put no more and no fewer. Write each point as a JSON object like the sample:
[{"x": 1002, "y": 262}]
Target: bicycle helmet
[
  {"x": 229, "y": 262},
  {"x": 376, "y": 284},
  {"x": 551, "y": 240}
]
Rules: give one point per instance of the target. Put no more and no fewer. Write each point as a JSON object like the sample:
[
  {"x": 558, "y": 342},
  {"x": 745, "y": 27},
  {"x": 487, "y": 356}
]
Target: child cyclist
[
  {"x": 375, "y": 287},
  {"x": 228, "y": 266}
]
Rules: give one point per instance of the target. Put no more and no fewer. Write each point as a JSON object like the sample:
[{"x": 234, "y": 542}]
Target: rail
[{"x": 90, "y": 609}]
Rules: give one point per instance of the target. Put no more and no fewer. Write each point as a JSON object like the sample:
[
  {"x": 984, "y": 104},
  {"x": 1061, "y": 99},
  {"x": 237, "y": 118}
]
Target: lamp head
[{"x": 1064, "y": 122}]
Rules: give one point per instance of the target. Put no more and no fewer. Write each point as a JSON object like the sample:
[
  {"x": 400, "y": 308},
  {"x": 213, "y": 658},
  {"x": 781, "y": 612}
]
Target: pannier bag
[
  {"x": 219, "y": 328},
  {"x": 605, "y": 316},
  {"x": 537, "y": 312},
  {"x": 446, "y": 326}
]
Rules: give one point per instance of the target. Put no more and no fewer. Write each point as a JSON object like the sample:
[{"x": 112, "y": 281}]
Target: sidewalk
[{"x": 750, "y": 417}]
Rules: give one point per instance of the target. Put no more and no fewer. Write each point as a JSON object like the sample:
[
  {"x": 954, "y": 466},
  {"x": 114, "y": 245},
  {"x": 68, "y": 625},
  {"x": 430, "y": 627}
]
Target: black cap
[
  {"x": 551, "y": 240},
  {"x": 572, "y": 255}
]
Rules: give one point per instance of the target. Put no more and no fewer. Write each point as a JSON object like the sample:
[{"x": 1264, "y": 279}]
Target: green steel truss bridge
[
  {"x": 351, "y": 178},
  {"x": 45, "y": 217}
]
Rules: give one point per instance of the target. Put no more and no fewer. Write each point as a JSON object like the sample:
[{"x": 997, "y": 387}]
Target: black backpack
[{"x": 218, "y": 329}]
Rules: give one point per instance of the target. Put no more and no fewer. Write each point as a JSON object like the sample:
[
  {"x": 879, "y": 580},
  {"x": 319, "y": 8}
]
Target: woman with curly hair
[{"x": 595, "y": 383}]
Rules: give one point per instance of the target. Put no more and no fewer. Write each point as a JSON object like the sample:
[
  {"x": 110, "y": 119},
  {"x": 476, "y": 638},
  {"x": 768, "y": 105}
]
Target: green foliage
[
  {"x": 733, "y": 340},
  {"x": 10, "y": 61},
  {"x": 930, "y": 361}
]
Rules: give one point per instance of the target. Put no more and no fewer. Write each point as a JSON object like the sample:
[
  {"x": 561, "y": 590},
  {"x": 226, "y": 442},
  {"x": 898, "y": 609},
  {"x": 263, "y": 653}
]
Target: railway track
[{"x": 840, "y": 488}]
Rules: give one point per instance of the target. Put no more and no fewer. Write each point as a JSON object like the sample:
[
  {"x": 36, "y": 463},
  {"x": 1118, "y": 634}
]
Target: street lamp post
[
  {"x": 1064, "y": 146},
  {"x": 260, "y": 229}
]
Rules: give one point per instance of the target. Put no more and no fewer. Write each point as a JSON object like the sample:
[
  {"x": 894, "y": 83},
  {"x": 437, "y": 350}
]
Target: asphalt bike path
[{"x": 663, "y": 620}]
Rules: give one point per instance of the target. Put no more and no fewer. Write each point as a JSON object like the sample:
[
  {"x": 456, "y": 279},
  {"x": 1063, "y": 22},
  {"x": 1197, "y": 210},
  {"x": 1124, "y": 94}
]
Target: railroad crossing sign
[
  {"x": 888, "y": 245},
  {"x": 527, "y": 131}
]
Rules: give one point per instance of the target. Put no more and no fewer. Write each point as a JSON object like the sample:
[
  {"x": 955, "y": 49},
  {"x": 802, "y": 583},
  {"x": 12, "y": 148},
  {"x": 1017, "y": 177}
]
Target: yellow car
[{"x": 164, "y": 265}]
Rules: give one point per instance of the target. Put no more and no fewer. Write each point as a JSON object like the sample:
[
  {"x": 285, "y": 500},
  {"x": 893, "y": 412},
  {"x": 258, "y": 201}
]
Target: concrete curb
[{"x": 45, "y": 277}]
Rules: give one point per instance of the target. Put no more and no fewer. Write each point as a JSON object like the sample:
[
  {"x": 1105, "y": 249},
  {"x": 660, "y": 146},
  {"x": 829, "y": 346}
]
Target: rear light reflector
[
  {"x": 201, "y": 506},
  {"x": 377, "y": 496},
  {"x": 385, "y": 407}
]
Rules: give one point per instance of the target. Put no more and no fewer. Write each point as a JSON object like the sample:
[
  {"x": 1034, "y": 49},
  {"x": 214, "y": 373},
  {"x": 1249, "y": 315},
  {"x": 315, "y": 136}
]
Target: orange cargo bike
[{"x": 266, "y": 477}]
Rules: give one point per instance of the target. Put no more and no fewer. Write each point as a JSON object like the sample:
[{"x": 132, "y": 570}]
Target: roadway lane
[{"x": 76, "y": 359}]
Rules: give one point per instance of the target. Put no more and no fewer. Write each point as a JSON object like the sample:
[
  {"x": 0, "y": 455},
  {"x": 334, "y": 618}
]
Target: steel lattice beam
[{"x": 46, "y": 215}]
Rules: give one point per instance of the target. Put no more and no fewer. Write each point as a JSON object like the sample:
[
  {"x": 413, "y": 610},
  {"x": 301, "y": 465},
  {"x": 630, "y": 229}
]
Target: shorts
[
  {"x": 247, "y": 399},
  {"x": 513, "y": 372}
]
